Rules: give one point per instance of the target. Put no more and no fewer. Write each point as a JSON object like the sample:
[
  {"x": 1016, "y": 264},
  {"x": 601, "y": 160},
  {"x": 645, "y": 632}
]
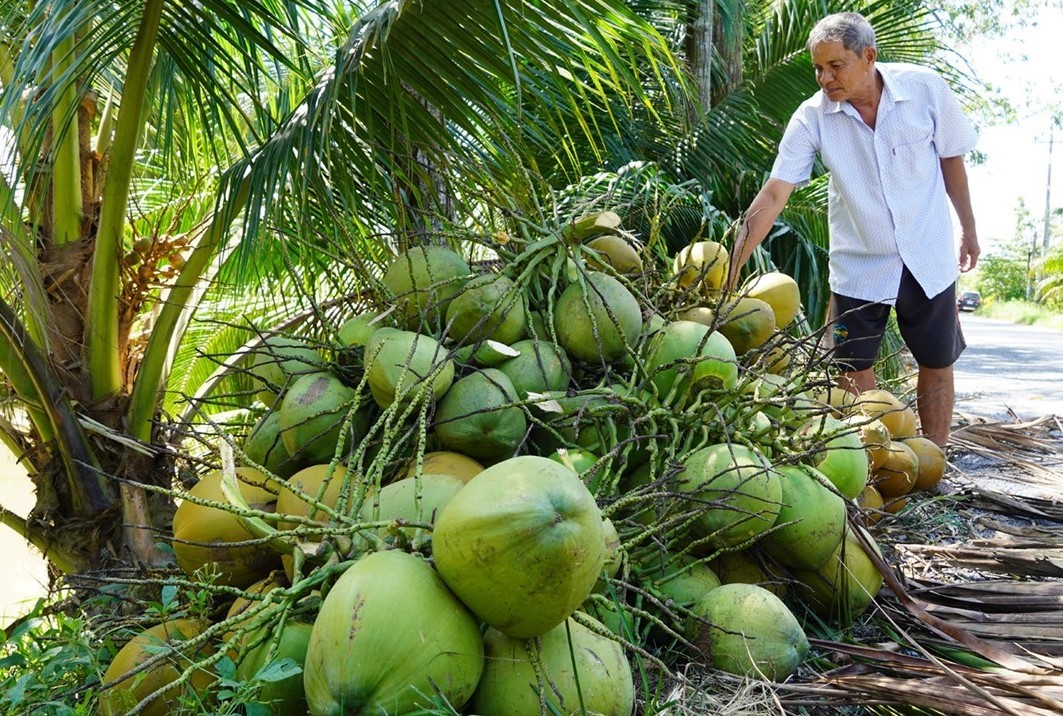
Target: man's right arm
[{"x": 759, "y": 218}]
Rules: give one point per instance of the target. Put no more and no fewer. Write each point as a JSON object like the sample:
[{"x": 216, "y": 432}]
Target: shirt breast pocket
[{"x": 915, "y": 161}]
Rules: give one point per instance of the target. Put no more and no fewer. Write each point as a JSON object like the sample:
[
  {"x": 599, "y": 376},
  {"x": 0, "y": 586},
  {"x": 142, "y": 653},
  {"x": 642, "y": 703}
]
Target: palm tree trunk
[
  {"x": 727, "y": 38},
  {"x": 699, "y": 51}
]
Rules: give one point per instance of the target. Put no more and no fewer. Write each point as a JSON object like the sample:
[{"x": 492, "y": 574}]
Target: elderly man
[{"x": 893, "y": 137}]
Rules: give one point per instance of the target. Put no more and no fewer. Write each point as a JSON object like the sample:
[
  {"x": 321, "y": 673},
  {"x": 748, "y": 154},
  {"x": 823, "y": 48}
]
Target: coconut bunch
[{"x": 587, "y": 448}]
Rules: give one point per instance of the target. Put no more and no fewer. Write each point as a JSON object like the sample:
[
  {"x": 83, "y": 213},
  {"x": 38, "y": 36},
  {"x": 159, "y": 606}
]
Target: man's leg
[
  {"x": 857, "y": 381},
  {"x": 931, "y": 329},
  {"x": 935, "y": 393},
  {"x": 857, "y": 328}
]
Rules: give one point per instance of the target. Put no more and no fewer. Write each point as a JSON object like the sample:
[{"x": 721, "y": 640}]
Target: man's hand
[
  {"x": 969, "y": 251},
  {"x": 759, "y": 217}
]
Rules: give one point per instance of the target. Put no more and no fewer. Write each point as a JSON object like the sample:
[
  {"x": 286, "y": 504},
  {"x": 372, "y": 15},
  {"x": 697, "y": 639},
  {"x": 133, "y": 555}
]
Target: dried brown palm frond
[
  {"x": 1033, "y": 449},
  {"x": 1029, "y": 507},
  {"x": 1027, "y": 614},
  {"x": 884, "y": 676},
  {"x": 1008, "y": 554}
]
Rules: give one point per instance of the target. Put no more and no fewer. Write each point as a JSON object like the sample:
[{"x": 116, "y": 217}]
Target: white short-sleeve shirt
[{"x": 887, "y": 202}]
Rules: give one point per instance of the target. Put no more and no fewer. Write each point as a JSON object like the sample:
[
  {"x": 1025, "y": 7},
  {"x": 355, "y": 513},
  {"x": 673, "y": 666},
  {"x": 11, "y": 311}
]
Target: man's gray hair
[{"x": 850, "y": 28}]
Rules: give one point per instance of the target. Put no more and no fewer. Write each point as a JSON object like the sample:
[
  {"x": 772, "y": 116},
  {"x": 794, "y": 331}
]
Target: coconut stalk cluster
[{"x": 494, "y": 489}]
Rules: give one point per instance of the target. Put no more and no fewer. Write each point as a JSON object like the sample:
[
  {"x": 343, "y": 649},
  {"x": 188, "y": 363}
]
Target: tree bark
[
  {"x": 699, "y": 49},
  {"x": 727, "y": 37}
]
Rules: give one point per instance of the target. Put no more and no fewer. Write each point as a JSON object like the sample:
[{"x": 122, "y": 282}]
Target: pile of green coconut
[{"x": 499, "y": 485}]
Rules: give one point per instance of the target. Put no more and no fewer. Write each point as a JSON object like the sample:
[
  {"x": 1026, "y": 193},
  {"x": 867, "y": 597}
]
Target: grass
[{"x": 1022, "y": 312}]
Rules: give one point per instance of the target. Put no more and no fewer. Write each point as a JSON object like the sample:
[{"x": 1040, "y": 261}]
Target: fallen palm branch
[{"x": 885, "y": 676}]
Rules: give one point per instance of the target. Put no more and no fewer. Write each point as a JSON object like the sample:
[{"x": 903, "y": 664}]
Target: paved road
[{"x": 1009, "y": 366}]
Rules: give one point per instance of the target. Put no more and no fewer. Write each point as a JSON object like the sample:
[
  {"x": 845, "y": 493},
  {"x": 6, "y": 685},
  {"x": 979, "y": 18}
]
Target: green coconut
[
  {"x": 838, "y": 452},
  {"x": 598, "y": 420},
  {"x": 682, "y": 581},
  {"x": 617, "y": 618},
  {"x": 312, "y": 417},
  {"x": 585, "y": 672},
  {"x": 398, "y": 364},
  {"x": 597, "y": 320},
  {"x": 521, "y": 544},
  {"x": 417, "y": 500},
  {"x": 748, "y": 566},
  {"x": 747, "y": 323},
  {"x": 685, "y": 357},
  {"x": 846, "y": 584},
  {"x": 477, "y": 416},
  {"x": 736, "y": 491},
  {"x": 487, "y": 307},
  {"x": 203, "y": 534},
  {"x": 278, "y": 360},
  {"x": 750, "y": 632},
  {"x": 423, "y": 281},
  {"x": 811, "y": 522},
  {"x": 614, "y": 550},
  {"x": 130, "y": 690},
  {"x": 577, "y": 459},
  {"x": 281, "y": 696},
  {"x": 264, "y": 447},
  {"x": 355, "y": 331},
  {"x": 541, "y": 367},
  {"x": 390, "y": 636}
]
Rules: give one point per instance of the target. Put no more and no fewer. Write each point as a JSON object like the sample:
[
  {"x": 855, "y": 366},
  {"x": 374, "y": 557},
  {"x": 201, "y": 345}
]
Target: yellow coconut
[
  {"x": 616, "y": 252},
  {"x": 707, "y": 261},
  {"x": 897, "y": 475},
  {"x": 898, "y": 417},
  {"x": 204, "y": 534},
  {"x": 698, "y": 314},
  {"x": 775, "y": 359},
  {"x": 241, "y": 604},
  {"x": 445, "y": 462},
  {"x": 895, "y": 504},
  {"x": 932, "y": 461},
  {"x": 871, "y": 504},
  {"x": 309, "y": 486},
  {"x": 747, "y": 323},
  {"x": 129, "y": 691},
  {"x": 779, "y": 291},
  {"x": 839, "y": 399},
  {"x": 875, "y": 436}
]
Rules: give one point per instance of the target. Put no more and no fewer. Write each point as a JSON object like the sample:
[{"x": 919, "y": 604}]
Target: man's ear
[{"x": 870, "y": 55}]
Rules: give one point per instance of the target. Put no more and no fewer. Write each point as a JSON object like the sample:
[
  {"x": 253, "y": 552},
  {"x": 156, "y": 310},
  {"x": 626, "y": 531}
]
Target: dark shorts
[{"x": 930, "y": 327}]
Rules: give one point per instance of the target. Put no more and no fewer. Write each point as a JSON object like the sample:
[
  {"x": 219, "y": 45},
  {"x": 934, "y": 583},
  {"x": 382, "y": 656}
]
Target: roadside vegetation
[
  {"x": 1024, "y": 312},
  {"x": 1021, "y": 279}
]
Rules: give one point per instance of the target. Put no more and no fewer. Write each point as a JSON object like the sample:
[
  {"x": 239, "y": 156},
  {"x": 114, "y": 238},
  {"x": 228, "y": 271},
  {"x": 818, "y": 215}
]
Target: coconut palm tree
[{"x": 189, "y": 174}]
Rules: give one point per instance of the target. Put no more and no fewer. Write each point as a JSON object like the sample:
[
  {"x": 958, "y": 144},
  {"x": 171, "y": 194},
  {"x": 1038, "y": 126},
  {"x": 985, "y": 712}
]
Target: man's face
[{"x": 841, "y": 73}]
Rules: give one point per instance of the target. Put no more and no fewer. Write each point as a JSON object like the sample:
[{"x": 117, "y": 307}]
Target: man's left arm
[{"x": 955, "y": 175}]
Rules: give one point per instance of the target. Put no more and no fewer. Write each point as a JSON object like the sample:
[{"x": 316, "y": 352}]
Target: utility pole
[{"x": 1048, "y": 192}]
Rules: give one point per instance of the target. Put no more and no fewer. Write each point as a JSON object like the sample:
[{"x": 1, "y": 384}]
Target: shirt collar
[
  {"x": 891, "y": 84},
  {"x": 892, "y": 92}
]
